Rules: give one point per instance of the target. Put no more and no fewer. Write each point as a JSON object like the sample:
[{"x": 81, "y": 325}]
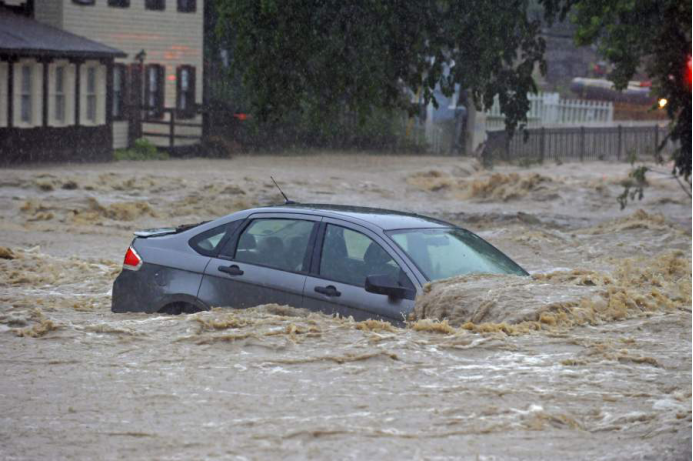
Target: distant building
[{"x": 88, "y": 76}]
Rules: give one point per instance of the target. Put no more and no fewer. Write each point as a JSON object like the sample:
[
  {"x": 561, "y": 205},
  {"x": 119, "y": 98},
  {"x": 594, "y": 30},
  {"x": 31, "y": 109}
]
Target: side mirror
[{"x": 385, "y": 285}]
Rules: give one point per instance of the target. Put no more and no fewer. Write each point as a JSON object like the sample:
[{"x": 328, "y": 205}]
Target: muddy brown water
[{"x": 590, "y": 358}]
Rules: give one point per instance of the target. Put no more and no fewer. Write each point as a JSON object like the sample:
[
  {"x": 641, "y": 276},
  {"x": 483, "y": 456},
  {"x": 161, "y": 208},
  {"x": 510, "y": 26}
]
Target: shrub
[{"x": 142, "y": 150}]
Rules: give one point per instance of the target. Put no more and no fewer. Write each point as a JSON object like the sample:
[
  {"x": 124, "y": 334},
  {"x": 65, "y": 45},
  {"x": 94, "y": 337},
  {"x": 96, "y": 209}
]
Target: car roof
[{"x": 379, "y": 217}]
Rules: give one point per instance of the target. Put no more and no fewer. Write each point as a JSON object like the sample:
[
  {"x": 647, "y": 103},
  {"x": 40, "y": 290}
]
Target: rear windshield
[{"x": 443, "y": 253}]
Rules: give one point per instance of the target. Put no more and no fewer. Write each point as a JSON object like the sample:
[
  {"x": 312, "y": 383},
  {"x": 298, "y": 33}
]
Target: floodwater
[{"x": 589, "y": 358}]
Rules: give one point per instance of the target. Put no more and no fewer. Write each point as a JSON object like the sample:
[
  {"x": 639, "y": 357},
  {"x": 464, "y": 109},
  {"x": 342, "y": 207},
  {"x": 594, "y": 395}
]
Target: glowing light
[{"x": 662, "y": 103}]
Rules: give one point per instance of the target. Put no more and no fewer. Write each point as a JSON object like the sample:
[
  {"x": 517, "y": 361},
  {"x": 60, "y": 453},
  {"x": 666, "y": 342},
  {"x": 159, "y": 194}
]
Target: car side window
[
  {"x": 208, "y": 241},
  {"x": 277, "y": 243},
  {"x": 349, "y": 257}
]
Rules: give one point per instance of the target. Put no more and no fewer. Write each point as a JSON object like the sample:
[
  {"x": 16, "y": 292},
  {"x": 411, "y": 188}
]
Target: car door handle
[
  {"x": 231, "y": 270},
  {"x": 329, "y": 290}
]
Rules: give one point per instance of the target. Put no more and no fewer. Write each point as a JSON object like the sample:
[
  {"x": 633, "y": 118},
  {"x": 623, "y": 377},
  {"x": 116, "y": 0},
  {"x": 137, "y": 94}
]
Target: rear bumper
[
  {"x": 137, "y": 291},
  {"x": 152, "y": 287}
]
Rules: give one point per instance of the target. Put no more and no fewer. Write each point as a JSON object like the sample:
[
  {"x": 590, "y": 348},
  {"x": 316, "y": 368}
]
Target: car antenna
[{"x": 286, "y": 199}]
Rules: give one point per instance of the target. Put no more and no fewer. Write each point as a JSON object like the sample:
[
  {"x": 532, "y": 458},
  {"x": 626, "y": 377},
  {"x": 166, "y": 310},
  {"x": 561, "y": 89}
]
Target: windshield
[{"x": 443, "y": 253}]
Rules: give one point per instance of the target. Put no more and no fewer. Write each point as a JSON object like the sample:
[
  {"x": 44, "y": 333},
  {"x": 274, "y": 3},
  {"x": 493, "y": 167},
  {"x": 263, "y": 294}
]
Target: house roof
[{"x": 24, "y": 36}]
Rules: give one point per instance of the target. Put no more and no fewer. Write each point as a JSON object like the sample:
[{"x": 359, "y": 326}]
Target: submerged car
[{"x": 351, "y": 261}]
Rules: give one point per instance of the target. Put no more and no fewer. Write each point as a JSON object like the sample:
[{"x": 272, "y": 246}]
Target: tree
[
  {"x": 654, "y": 34},
  {"x": 319, "y": 56}
]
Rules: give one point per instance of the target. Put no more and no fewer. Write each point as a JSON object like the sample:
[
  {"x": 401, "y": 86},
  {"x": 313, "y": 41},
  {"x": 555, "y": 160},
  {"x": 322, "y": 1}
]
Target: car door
[
  {"x": 266, "y": 261},
  {"x": 345, "y": 255}
]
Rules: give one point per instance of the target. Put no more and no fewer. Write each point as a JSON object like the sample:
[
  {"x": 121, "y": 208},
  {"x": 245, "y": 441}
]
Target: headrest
[
  {"x": 375, "y": 255},
  {"x": 247, "y": 242},
  {"x": 272, "y": 244},
  {"x": 335, "y": 248}
]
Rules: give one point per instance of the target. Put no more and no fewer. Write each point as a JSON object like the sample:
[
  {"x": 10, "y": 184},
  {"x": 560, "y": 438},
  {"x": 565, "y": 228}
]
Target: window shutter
[
  {"x": 17, "y": 90},
  {"x": 162, "y": 90},
  {"x": 70, "y": 82},
  {"x": 37, "y": 94},
  {"x": 52, "y": 121},
  {"x": 101, "y": 95},
  {"x": 83, "y": 118},
  {"x": 147, "y": 88},
  {"x": 3, "y": 93},
  {"x": 191, "y": 91},
  {"x": 179, "y": 87}
]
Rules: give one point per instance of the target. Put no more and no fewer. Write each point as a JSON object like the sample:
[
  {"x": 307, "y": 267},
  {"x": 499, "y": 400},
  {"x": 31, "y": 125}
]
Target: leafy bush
[{"x": 142, "y": 150}]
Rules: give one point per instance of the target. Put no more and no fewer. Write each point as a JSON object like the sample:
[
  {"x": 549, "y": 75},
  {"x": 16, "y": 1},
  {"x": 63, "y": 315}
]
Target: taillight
[{"x": 132, "y": 260}]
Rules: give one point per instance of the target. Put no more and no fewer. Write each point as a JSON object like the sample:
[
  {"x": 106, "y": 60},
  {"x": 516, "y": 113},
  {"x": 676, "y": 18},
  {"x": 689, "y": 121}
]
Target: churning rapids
[{"x": 589, "y": 358}]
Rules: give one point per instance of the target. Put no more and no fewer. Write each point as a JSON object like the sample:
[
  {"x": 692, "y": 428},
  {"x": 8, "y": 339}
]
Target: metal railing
[{"x": 580, "y": 143}]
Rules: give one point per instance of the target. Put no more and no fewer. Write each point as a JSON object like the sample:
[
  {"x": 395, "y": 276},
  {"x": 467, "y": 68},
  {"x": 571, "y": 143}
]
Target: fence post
[
  {"x": 172, "y": 131},
  {"x": 582, "y": 143},
  {"x": 618, "y": 144},
  {"x": 656, "y": 140}
]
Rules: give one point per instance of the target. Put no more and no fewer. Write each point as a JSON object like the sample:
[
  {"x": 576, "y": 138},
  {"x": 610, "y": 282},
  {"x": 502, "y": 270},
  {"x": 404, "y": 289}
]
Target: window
[
  {"x": 187, "y": 6},
  {"x": 349, "y": 257},
  {"x": 26, "y": 100},
  {"x": 119, "y": 3},
  {"x": 185, "y": 102},
  {"x": 91, "y": 94},
  {"x": 208, "y": 241},
  {"x": 154, "y": 91},
  {"x": 155, "y": 4},
  {"x": 443, "y": 253},
  {"x": 84, "y": 2},
  {"x": 119, "y": 86},
  {"x": 277, "y": 243},
  {"x": 59, "y": 97}
]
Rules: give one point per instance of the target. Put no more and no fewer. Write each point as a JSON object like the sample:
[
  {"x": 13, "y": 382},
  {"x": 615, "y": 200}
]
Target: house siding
[
  {"x": 120, "y": 135},
  {"x": 49, "y": 12},
  {"x": 168, "y": 37}
]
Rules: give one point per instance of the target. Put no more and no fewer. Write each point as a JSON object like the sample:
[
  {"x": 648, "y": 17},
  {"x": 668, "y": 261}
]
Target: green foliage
[
  {"x": 142, "y": 150},
  {"x": 324, "y": 57},
  {"x": 633, "y": 186},
  {"x": 315, "y": 59},
  {"x": 655, "y": 34}
]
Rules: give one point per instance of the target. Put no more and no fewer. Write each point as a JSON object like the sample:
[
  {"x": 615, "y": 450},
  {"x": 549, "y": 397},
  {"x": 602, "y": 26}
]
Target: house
[
  {"x": 124, "y": 69},
  {"x": 53, "y": 93}
]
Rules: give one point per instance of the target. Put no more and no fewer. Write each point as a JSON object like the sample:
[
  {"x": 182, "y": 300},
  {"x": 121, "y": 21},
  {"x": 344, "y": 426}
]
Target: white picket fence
[{"x": 548, "y": 109}]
